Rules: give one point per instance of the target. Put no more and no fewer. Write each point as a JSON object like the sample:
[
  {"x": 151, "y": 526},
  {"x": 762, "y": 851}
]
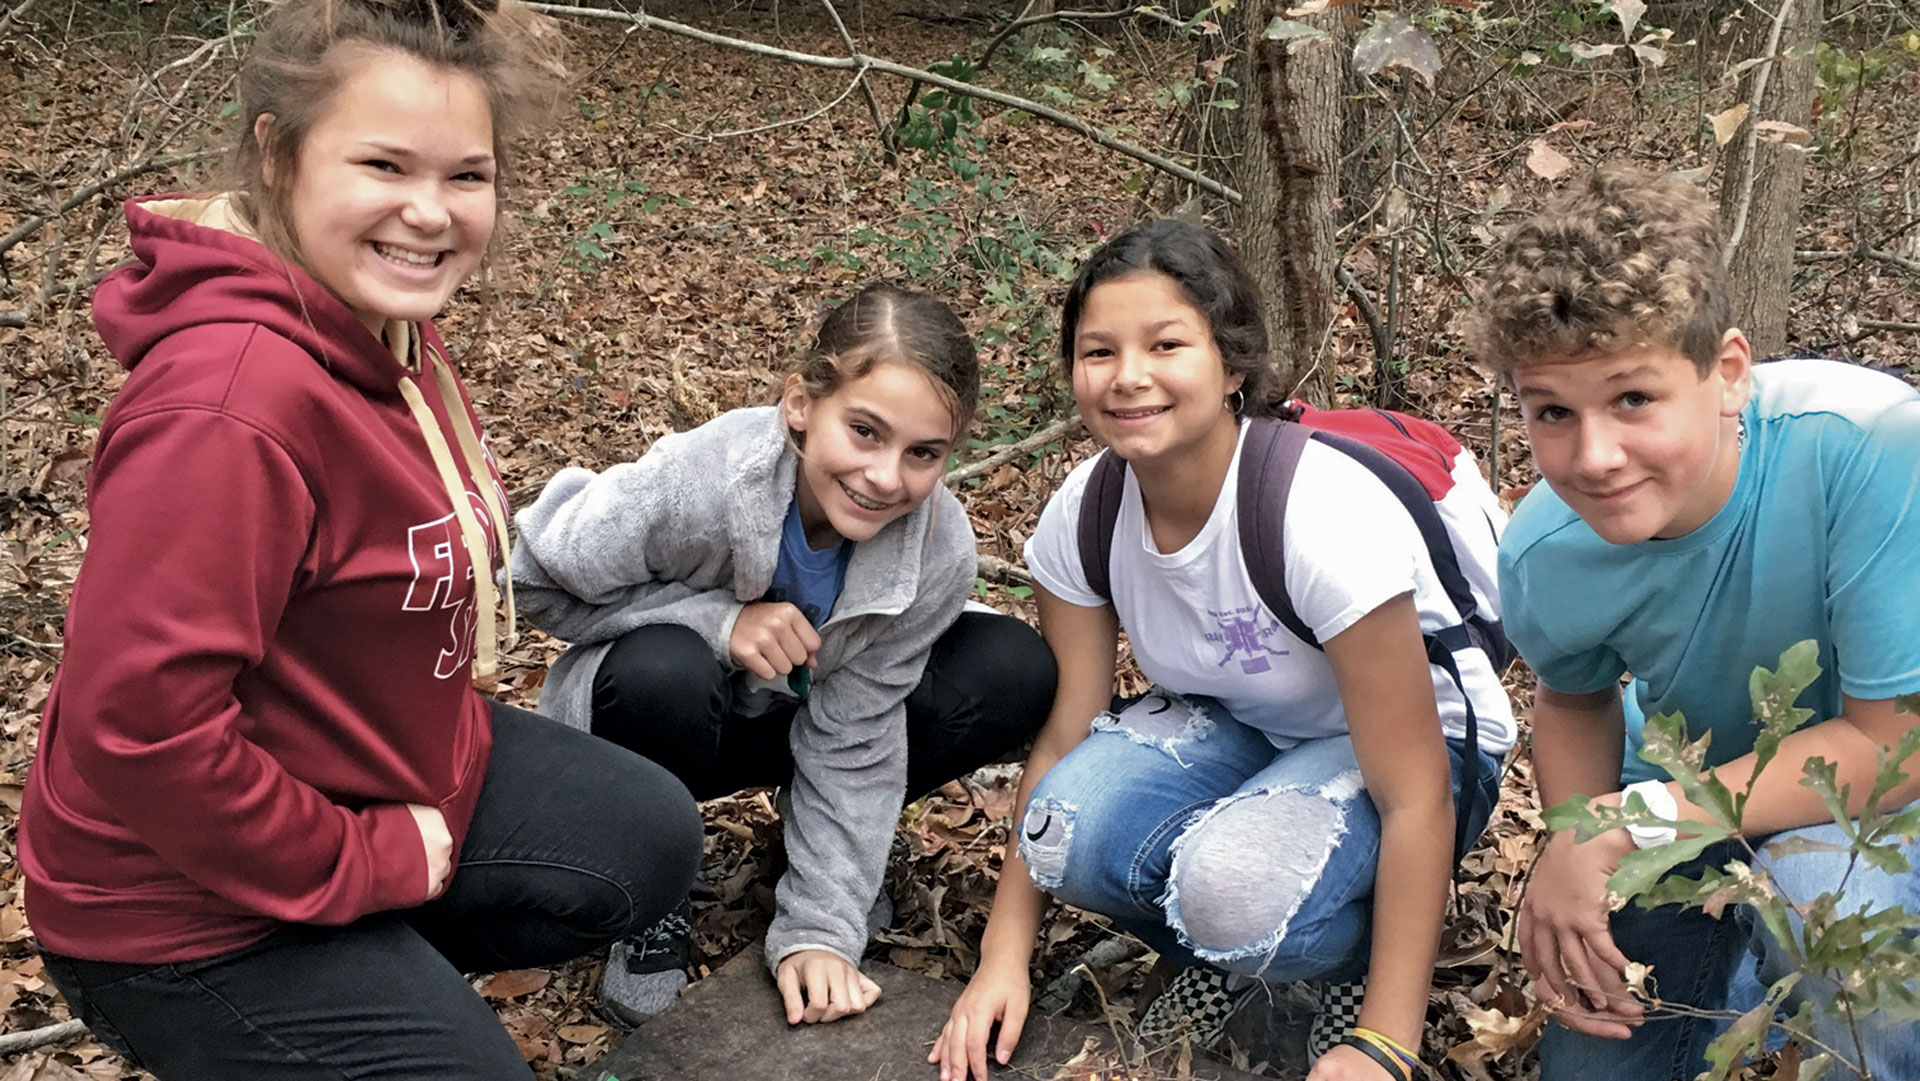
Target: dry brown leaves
[{"x": 718, "y": 261}]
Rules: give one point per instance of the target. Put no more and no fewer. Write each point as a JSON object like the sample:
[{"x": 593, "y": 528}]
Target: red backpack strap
[
  {"x": 1268, "y": 460},
  {"x": 1099, "y": 513}
]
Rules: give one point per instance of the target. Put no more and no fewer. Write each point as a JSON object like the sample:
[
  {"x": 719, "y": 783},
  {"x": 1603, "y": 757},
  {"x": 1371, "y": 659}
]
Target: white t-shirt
[{"x": 1197, "y": 626}]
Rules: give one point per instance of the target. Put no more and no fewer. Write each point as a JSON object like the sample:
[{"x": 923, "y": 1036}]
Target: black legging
[
  {"x": 572, "y": 846},
  {"x": 662, "y": 693}
]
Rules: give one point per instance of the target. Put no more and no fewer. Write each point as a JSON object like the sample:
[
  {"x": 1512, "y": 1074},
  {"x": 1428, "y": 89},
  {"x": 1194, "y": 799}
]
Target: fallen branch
[
  {"x": 1889, "y": 324},
  {"x": 15, "y": 1042},
  {"x": 642, "y": 21},
  {"x": 995, "y": 569},
  {"x": 1878, "y": 255},
  {"x": 151, "y": 165},
  {"x": 14, "y": 16},
  {"x": 1104, "y": 954},
  {"x": 1364, "y": 303},
  {"x": 1012, "y": 450}
]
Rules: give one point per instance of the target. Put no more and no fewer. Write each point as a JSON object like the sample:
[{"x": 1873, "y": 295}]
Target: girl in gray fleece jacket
[{"x": 776, "y": 598}]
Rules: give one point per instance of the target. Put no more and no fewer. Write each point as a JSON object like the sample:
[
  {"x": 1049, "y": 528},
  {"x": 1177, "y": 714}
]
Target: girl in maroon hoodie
[{"x": 272, "y": 821}]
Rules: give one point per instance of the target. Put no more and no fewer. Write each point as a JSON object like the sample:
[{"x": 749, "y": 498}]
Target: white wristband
[{"x": 1659, "y": 801}]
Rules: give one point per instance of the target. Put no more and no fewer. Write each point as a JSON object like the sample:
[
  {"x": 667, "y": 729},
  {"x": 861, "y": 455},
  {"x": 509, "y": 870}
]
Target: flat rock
[{"x": 730, "y": 1026}]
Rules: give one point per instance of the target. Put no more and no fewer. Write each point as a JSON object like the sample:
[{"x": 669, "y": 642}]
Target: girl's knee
[
  {"x": 660, "y": 691},
  {"x": 1245, "y": 890}
]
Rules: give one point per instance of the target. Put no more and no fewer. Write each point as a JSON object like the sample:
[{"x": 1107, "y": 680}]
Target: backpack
[{"x": 1413, "y": 458}]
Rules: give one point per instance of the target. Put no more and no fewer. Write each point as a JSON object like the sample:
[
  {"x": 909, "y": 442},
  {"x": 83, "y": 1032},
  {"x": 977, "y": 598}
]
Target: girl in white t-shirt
[{"x": 1270, "y": 811}]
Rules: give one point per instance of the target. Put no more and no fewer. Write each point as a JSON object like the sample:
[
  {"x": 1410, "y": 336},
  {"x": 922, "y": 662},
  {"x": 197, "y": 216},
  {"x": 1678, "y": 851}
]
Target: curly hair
[
  {"x": 307, "y": 48},
  {"x": 1624, "y": 258},
  {"x": 1214, "y": 281}
]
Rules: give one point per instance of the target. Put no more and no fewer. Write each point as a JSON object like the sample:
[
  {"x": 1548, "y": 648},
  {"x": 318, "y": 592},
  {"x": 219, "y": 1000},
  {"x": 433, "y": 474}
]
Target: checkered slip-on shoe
[
  {"x": 1337, "y": 1016},
  {"x": 644, "y": 974},
  {"x": 1197, "y": 1002}
]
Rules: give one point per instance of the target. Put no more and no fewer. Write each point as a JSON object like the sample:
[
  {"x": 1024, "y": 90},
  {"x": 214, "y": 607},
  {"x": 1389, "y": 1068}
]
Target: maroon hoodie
[{"x": 267, "y": 649}]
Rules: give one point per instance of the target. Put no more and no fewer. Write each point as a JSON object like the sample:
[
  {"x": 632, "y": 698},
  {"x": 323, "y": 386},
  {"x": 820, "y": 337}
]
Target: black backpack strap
[
  {"x": 1099, "y": 513},
  {"x": 1268, "y": 460}
]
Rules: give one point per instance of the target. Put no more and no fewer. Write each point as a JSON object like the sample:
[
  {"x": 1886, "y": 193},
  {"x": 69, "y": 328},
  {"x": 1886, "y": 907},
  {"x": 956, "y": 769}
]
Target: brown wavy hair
[
  {"x": 306, "y": 49},
  {"x": 887, "y": 323},
  {"x": 1624, "y": 258}
]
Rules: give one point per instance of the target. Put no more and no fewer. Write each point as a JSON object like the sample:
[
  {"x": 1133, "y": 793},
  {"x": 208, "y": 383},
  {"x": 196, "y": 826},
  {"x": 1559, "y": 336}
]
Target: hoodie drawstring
[{"x": 486, "y": 595}]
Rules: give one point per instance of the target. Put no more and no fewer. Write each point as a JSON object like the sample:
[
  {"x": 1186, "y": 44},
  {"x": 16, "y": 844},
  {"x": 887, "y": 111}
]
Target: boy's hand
[
  {"x": 772, "y": 638},
  {"x": 819, "y": 986},
  {"x": 1565, "y": 940},
  {"x": 992, "y": 995}
]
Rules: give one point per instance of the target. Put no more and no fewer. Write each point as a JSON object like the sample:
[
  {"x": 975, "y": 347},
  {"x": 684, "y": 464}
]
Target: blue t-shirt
[
  {"x": 809, "y": 580},
  {"x": 1820, "y": 539}
]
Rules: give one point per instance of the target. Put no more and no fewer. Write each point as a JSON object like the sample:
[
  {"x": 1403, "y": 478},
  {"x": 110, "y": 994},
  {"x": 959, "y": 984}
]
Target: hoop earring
[{"x": 1236, "y": 401}]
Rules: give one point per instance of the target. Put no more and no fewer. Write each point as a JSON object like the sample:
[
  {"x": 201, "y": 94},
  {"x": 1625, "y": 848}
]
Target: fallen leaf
[
  {"x": 583, "y": 1034},
  {"x": 1725, "y": 124},
  {"x": 1779, "y": 131},
  {"x": 513, "y": 984},
  {"x": 1546, "y": 162}
]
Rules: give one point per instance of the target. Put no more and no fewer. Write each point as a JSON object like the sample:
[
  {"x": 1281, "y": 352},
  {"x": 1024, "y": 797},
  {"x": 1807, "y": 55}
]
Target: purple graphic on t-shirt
[{"x": 1242, "y": 633}]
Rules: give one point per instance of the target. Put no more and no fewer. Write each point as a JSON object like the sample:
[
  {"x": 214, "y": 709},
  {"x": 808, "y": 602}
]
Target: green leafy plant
[{"x": 1871, "y": 959}]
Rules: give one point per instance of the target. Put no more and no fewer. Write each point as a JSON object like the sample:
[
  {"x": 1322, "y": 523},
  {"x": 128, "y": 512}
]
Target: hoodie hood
[{"x": 195, "y": 263}]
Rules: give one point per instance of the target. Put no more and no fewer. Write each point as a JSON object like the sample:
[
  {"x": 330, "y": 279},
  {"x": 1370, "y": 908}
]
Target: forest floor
[{"x": 656, "y": 271}]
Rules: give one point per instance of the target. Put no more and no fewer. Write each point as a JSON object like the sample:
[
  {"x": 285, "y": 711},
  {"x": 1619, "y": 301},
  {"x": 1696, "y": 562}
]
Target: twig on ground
[
  {"x": 1876, "y": 254},
  {"x": 14, "y": 16},
  {"x": 1104, "y": 955},
  {"x": 1013, "y": 450},
  {"x": 15, "y": 1042},
  {"x": 859, "y": 79},
  {"x": 1365, "y": 304},
  {"x": 995, "y": 569},
  {"x": 1054, "y": 116}
]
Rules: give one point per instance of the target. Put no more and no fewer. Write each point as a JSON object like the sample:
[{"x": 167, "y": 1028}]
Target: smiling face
[
  {"x": 1638, "y": 443},
  {"x": 1147, "y": 374},
  {"x": 873, "y": 450},
  {"x": 392, "y": 199}
]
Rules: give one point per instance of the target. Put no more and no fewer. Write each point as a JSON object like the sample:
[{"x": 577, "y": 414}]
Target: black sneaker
[
  {"x": 644, "y": 974},
  {"x": 1337, "y": 1017},
  {"x": 1197, "y": 1002}
]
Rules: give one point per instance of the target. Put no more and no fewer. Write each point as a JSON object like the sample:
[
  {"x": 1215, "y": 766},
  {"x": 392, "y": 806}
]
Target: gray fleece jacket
[{"x": 689, "y": 534}]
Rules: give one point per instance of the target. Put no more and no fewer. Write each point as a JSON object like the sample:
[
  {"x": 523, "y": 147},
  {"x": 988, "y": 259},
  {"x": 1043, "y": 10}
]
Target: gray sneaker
[{"x": 644, "y": 974}]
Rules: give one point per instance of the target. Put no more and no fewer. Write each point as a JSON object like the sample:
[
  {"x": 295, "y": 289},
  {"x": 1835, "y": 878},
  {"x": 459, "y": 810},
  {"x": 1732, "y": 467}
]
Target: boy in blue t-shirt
[{"x": 1700, "y": 515}]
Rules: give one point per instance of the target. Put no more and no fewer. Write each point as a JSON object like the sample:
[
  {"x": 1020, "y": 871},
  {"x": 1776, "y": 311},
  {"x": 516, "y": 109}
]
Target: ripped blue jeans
[{"x": 1190, "y": 830}]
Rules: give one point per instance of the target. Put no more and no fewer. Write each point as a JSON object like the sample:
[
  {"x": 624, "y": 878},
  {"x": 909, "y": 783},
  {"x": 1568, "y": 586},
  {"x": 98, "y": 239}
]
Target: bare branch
[
  {"x": 995, "y": 569},
  {"x": 1381, "y": 346},
  {"x": 880, "y": 125},
  {"x": 15, "y": 1042},
  {"x": 1753, "y": 130},
  {"x": 859, "y": 79},
  {"x": 1013, "y": 450},
  {"x": 642, "y": 21},
  {"x": 151, "y": 165},
  {"x": 14, "y": 16}
]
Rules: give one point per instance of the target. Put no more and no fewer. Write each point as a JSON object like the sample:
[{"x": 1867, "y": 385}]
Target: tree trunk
[
  {"x": 1761, "y": 210},
  {"x": 1287, "y": 134}
]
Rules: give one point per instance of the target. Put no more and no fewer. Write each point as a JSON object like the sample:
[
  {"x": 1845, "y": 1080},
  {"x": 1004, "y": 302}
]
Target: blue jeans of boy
[
  {"x": 1705, "y": 962},
  {"x": 1190, "y": 830}
]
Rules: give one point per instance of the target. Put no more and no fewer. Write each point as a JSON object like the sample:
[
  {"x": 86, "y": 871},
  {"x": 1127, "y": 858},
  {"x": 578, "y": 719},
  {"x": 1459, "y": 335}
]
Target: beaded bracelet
[{"x": 1394, "y": 1067}]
